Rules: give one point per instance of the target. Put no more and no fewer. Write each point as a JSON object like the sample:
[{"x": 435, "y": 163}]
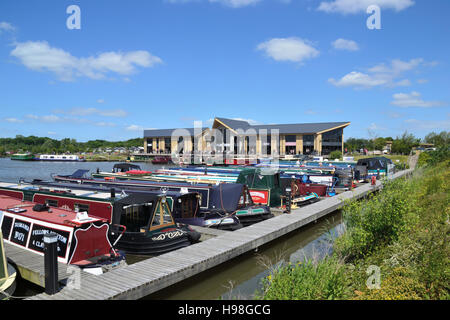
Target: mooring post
[
  {"x": 288, "y": 199},
  {"x": 51, "y": 263}
]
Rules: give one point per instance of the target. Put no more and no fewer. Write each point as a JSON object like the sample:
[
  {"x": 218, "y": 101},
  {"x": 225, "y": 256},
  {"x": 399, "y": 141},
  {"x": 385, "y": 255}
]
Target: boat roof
[
  {"x": 93, "y": 194},
  {"x": 79, "y": 173},
  {"x": 139, "y": 198},
  {"x": 126, "y": 166},
  {"x": 106, "y": 190},
  {"x": 55, "y": 215}
]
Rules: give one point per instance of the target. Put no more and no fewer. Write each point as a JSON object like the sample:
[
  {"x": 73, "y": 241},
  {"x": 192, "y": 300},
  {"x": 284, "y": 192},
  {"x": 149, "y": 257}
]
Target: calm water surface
[{"x": 238, "y": 278}]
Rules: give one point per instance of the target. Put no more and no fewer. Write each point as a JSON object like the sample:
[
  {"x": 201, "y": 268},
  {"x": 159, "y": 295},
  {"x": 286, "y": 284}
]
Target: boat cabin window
[
  {"x": 188, "y": 206},
  {"x": 80, "y": 207},
  {"x": 162, "y": 215},
  {"x": 28, "y": 196},
  {"x": 136, "y": 216},
  {"x": 52, "y": 203}
]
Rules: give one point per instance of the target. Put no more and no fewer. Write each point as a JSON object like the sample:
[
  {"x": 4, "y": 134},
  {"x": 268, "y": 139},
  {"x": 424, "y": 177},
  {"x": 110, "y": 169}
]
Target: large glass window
[
  {"x": 149, "y": 145},
  {"x": 168, "y": 145},
  {"x": 290, "y": 142},
  {"x": 308, "y": 140},
  {"x": 332, "y": 138}
]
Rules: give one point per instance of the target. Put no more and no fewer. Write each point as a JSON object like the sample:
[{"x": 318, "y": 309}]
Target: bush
[
  {"x": 308, "y": 281},
  {"x": 335, "y": 155},
  {"x": 399, "y": 285},
  {"x": 376, "y": 221}
]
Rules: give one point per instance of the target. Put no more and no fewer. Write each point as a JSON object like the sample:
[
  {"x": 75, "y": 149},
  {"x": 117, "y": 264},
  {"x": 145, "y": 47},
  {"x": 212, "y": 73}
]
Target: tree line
[
  {"x": 45, "y": 145},
  {"x": 400, "y": 145}
]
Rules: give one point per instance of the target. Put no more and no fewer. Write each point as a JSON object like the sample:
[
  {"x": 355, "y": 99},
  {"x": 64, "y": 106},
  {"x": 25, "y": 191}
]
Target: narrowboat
[
  {"x": 376, "y": 166},
  {"x": 219, "y": 198},
  {"x": 185, "y": 206},
  {"x": 8, "y": 273},
  {"x": 22, "y": 156},
  {"x": 83, "y": 240},
  {"x": 60, "y": 157},
  {"x": 150, "y": 227},
  {"x": 110, "y": 207},
  {"x": 161, "y": 160}
]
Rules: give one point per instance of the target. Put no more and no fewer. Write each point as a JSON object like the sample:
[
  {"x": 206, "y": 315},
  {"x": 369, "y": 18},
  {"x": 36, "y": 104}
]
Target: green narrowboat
[{"x": 22, "y": 156}]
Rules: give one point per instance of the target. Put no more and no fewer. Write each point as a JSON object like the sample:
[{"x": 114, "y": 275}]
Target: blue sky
[{"x": 165, "y": 63}]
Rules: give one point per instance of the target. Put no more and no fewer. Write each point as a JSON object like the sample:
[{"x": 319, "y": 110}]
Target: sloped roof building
[{"x": 243, "y": 138}]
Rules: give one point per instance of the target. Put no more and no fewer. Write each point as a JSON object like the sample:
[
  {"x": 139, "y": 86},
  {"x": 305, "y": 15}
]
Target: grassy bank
[{"x": 396, "y": 246}]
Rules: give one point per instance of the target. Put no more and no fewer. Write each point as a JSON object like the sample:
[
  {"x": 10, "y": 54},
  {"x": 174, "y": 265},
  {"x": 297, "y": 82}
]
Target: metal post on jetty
[{"x": 51, "y": 263}]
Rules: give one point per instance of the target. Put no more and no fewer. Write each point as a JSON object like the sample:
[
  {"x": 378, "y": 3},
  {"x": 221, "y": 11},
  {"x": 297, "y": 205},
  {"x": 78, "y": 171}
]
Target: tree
[
  {"x": 405, "y": 143},
  {"x": 438, "y": 140}
]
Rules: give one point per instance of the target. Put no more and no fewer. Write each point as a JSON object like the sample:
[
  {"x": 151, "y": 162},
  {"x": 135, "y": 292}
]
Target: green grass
[{"x": 404, "y": 230}]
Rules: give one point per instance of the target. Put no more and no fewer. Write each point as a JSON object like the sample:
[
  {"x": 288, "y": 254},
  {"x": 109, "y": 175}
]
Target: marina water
[{"x": 238, "y": 278}]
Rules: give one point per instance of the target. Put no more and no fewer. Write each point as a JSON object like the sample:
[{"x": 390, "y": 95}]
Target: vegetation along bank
[{"x": 395, "y": 245}]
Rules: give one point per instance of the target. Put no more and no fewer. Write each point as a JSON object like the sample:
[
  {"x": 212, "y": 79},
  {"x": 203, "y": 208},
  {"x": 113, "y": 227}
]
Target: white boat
[{"x": 59, "y": 157}]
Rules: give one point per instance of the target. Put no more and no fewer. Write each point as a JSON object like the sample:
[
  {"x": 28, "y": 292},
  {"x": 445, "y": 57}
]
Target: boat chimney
[{"x": 113, "y": 193}]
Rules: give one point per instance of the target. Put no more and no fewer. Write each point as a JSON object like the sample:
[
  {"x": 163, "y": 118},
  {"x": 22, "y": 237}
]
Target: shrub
[
  {"x": 376, "y": 221},
  {"x": 308, "y": 281},
  {"x": 399, "y": 285},
  {"x": 335, "y": 155}
]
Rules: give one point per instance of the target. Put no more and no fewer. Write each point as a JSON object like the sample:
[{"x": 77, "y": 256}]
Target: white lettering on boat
[{"x": 169, "y": 235}]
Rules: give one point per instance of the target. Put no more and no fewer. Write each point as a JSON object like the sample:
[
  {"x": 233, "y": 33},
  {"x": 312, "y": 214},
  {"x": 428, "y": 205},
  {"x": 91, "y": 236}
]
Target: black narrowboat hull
[
  {"x": 144, "y": 243},
  {"x": 248, "y": 220}
]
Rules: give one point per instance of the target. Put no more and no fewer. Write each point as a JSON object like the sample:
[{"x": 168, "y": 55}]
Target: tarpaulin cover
[{"x": 226, "y": 196}]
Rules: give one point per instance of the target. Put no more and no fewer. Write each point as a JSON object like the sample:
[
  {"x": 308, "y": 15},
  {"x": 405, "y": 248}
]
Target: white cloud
[
  {"x": 428, "y": 125},
  {"x": 375, "y": 127},
  {"x": 413, "y": 99},
  {"x": 288, "y": 49},
  {"x": 105, "y": 124},
  {"x": 134, "y": 127},
  {"x": 236, "y": 3},
  {"x": 6, "y": 26},
  {"x": 380, "y": 75},
  {"x": 117, "y": 113},
  {"x": 13, "y": 120},
  {"x": 40, "y": 56},
  {"x": 47, "y": 118},
  {"x": 100, "y": 101},
  {"x": 357, "y": 79},
  {"x": 344, "y": 44},
  {"x": 358, "y": 6}
]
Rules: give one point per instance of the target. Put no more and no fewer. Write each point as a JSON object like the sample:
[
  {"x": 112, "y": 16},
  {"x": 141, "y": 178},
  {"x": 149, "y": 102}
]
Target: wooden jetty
[{"x": 148, "y": 276}]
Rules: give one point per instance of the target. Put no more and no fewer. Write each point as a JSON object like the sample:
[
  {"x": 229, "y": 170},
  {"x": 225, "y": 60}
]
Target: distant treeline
[
  {"x": 45, "y": 145},
  {"x": 400, "y": 145}
]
